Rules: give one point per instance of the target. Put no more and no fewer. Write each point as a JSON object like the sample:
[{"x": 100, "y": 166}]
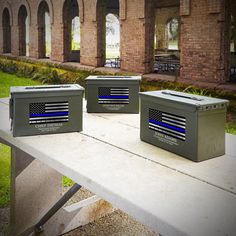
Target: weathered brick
[{"x": 204, "y": 35}]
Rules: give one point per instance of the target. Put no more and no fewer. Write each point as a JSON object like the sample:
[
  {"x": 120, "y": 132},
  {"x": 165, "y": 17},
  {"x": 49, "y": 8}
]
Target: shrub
[{"x": 42, "y": 72}]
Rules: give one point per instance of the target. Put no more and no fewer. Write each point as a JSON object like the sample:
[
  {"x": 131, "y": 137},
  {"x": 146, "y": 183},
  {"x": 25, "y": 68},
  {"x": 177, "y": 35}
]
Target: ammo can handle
[
  {"x": 111, "y": 77},
  {"x": 48, "y": 87},
  {"x": 11, "y": 108},
  {"x": 182, "y": 96}
]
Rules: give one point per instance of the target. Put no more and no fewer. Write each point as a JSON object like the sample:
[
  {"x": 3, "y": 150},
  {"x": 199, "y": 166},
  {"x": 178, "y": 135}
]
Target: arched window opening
[
  {"x": 112, "y": 40},
  {"x": 166, "y": 41},
  {"x": 111, "y": 33},
  {"x": 44, "y": 31},
  {"x": 172, "y": 34},
  {"x": 232, "y": 34},
  {"x": 48, "y": 34},
  {"x": 6, "y": 27},
  {"x": 23, "y": 24},
  {"x": 71, "y": 31},
  {"x": 75, "y": 34}
]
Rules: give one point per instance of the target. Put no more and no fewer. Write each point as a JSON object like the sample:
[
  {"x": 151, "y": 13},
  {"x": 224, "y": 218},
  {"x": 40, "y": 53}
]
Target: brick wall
[
  {"x": 91, "y": 44},
  {"x": 137, "y": 37},
  {"x": 203, "y": 46},
  {"x": 204, "y": 34}
]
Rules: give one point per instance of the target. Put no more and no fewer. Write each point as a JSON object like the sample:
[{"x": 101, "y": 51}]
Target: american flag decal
[
  {"x": 168, "y": 124},
  {"x": 113, "y": 95},
  {"x": 48, "y": 112}
]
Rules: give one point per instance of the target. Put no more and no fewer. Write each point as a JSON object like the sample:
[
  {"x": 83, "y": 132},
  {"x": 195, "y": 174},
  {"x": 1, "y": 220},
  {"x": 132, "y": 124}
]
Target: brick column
[
  {"x": 137, "y": 37},
  {"x": 15, "y": 39},
  {"x": 204, "y": 40},
  {"x": 33, "y": 42},
  {"x": 57, "y": 37},
  {"x": 91, "y": 50},
  {"x": 57, "y": 42}
]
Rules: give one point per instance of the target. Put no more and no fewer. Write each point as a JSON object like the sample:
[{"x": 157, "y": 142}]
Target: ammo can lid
[
  {"x": 45, "y": 90},
  {"x": 197, "y": 101},
  {"x": 110, "y": 78}
]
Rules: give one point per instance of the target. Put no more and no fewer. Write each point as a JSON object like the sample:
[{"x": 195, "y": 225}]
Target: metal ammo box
[
  {"x": 46, "y": 109},
  {"x": 113, "y": 94},
  {"x": 192, "y": 126}
]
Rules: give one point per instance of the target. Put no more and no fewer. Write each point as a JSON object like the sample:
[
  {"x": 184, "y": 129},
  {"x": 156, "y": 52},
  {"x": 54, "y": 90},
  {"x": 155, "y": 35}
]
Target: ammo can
[
  {"x": 113, "y": 94},
  {"x": 46, "y": 109},
  {"x": 189, "y": 125}
]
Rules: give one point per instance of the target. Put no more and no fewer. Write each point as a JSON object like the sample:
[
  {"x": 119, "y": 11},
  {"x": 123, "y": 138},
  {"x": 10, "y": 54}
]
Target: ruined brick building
[{"x": 203, "y": 37}]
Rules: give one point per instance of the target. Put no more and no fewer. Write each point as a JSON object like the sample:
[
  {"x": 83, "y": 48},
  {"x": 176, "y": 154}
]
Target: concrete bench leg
[{"x": 35, "y": 189}]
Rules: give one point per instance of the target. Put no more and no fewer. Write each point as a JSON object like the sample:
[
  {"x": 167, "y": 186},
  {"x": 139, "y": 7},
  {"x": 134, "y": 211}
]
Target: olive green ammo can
[
  {"x": 113, "y": 94},
  {"x": 46, "y": 109},
  {"x": 189, "y": 125}
]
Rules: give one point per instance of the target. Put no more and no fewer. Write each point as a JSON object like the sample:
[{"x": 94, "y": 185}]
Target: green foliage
[
  {"x": 47, "y": 76},
  {"x": 8, "y": 80},
  {"x": 67, "y": 182},
  {"x": 173, "y": 27},
  {"x": 43, "y": 72},
  {"x": 197, "y": 91},
  {"x": 231, "y": 128},
  {"x": 148, "y": 84}
]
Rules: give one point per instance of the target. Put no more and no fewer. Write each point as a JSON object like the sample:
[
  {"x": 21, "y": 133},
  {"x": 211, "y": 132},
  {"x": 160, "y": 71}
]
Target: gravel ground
[
  {"x": 4, "y": 220},
  {"x": 114, "y": 224}
]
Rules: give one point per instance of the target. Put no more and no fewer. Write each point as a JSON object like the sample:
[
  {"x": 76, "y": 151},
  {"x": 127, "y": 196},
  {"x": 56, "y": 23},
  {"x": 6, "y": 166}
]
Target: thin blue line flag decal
[
  {"x": 48, "y": 112},
  {"x": 168, "y": 124},
  {"x": 113, "y": 95}
]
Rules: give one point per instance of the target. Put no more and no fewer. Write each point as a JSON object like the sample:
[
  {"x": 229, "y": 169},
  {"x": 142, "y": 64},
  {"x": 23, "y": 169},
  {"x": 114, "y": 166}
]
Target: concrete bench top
[{"x": 172, "y": 195}]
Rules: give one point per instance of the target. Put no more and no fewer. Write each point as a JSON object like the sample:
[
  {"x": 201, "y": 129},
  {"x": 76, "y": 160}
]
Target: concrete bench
[{"x": 170, "y": 194}]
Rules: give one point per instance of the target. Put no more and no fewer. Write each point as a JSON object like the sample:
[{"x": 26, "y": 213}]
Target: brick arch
[
  {"x": 70, "y": 10},
  {"x": 6, "y": 30},
  {"x": 50, "y": 6},
  {"x": 81, "y": 10},
  {"x": 122, "y": 9},
  {"x": 102, "y": 8},
  {"x": 7, "y": 5},
  {"x": 27, "y": 6},
  {"x": 22, "y": 29},
  {"x": 42, "y": 8}
]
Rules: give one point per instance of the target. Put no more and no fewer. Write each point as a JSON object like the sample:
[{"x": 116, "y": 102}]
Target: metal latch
[{"x": 11, "y": 108}]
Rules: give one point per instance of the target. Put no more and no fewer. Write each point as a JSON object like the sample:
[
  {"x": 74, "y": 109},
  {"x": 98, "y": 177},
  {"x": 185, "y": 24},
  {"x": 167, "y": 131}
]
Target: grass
[
  {"x": 7, "y": 80},
  {"x": 4, "y": 175}
]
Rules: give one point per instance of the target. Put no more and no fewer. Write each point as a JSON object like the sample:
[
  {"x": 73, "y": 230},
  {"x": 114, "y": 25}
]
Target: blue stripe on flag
[
  {"x": 113, "y": 96},
  {"x": 167, "y": 126},
  {"x": 50, "y": 114}
]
